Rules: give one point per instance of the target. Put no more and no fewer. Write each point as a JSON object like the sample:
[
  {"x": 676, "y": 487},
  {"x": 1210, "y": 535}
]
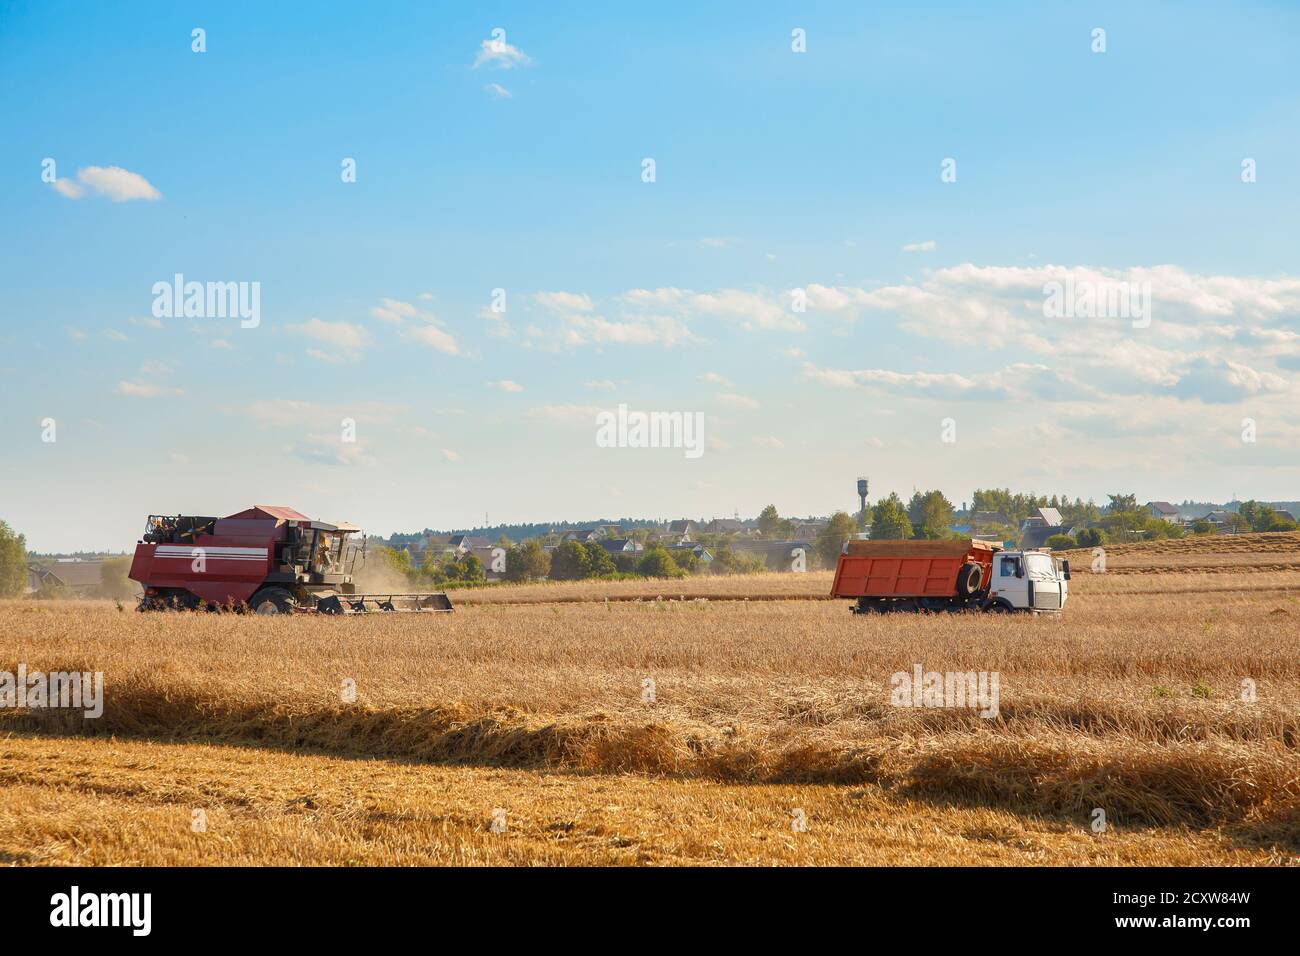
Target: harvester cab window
[{"x": 1009, "y": 567}]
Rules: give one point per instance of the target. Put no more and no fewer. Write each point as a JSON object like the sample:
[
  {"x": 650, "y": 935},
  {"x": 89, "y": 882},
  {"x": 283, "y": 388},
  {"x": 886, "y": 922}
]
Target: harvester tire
[
  {"x": 969, "y": 579},
  {"x": 271, "y": 601}
]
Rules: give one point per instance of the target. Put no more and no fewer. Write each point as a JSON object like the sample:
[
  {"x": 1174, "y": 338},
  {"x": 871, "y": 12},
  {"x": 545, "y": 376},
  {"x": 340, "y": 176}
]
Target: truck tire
[
  {"x": 969, "y": 579},
  {"x": 271, "y": 601},
  {"x": 999, "y": 607}
]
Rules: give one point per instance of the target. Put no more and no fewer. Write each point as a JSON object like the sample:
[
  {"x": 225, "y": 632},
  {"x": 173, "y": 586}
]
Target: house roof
[
  {"x": 1163, "y": 507},
  {"x": 75, "y": 574},
  {"x": 1050, "y": 515},
  {"x": 1285, "y": 515},
  {"x": 618, "y": 545},
  {"x": 678, "y": 527}
]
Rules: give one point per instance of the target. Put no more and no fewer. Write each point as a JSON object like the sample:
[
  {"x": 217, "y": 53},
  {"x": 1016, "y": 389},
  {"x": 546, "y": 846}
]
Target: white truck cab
[{"x": 1028, "y": 581}]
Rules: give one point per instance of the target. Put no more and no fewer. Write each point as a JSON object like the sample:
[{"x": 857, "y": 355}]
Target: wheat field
[{"x": 675, "y": 723}]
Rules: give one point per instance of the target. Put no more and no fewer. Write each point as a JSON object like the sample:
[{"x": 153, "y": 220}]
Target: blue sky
[{"x": 775, "y": 171}]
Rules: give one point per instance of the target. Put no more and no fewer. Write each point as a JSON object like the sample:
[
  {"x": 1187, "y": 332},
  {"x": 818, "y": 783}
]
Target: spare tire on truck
[{"x": 969, "y": 579}]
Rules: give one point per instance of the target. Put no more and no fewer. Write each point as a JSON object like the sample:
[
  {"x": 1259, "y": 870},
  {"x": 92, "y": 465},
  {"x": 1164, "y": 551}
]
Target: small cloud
[
  {"x": 148, "y": 322},
  {"x": 602, "y": 383},
  {"x": 176, "y": 458},
  {"x": 393, "y": 311},
  {"x": 506, "y": 385},
  {"x": 68, "y": 189},
  {"x": 501, "y": 55},
  {"x": 565, "y": 414},
  {"x": 713, "y": 378},
  {"x": 435, "y": 338},
  {"x": 220, "y": 344},
  {"x": 769, "y": 442},
  {"x": 323, "y": 449},
  {"x": 498, "y": 92},
  {"x": 564, "y": 301},
  {"x": 717, "y": 242},
  {"x": 450, "y": 455},
  {"x": 794, "y": 353},
  {"x": 118, "y": 184},
  {"x": 928, "y": 246},
  {"x": 426, "y": 296},
  {"x": 145, "y": 390},
  {"x": 741, "y": 402},
  {"x": 115, "y": 335},
  {"x": 345, "y": 338}
]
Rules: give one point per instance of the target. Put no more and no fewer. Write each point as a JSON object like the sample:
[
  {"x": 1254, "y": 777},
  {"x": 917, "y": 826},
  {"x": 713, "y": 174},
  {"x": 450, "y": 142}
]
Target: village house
[
  {"x": 1164, "y": 511},
  {"x": 72, "y": 576}
]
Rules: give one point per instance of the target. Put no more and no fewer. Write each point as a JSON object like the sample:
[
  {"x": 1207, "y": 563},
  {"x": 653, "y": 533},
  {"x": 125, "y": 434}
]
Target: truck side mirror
[
  {"x": 1020, "y": 570},
  {"x": 1065, "y": 569}
]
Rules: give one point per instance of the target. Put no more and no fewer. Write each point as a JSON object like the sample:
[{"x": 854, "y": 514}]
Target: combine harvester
[
  {"x": 269, "y": 558},
  {"x": 961, "y": 575}
]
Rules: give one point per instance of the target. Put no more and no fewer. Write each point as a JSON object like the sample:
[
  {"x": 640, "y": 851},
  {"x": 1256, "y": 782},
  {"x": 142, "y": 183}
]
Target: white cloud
[
  {"x": 68, "y": 188},
  {"x": 769, "y": 442},
  {"x": 294, "y": 413},
  {"x": 393, "y": 311},
  {"x": 564, "y": 302},
  {"x": 741, "y": 402},
  {"x": 565, "y": 414},
  {"x": 601, "y": 383},
  {"x": 345, "y": 339},
  {"x": 501, "y": 55},
  {"x": 146, "y": 390},
  {"x": 713, "y": 378},
  {"x": 430, "y": 333},
  {"x": 497, "y": 91},
  {"x": 506, "y": 385},
  {"x": 322, "y": 448},
  {"x": 435, "y": 338},
  {"x": 450, "y": 455},
  {"x": 118, "y": 184},
  {"x": 928, "y": 245}
]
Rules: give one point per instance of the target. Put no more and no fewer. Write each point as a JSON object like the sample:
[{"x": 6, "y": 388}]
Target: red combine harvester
[
  {"x": 955, "y": 575},
  {"x": 269, "y": 558}
]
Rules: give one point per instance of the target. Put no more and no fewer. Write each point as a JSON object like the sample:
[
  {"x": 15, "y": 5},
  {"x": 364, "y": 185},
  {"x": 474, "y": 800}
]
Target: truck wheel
[
  {"x": 969, "y": 579},
  {"x": 999, "y": 607},
  {"x": 271, "y": 601}
]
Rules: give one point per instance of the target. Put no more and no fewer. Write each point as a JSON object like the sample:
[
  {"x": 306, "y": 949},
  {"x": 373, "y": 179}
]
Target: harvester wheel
[
  {"x": 271, "y": 601},
  {"x": 969, "y": 579}
]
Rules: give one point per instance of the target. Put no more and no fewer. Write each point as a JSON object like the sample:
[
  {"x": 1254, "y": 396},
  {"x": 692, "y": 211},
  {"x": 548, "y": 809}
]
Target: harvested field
[{"x": 1132, "y": 701}]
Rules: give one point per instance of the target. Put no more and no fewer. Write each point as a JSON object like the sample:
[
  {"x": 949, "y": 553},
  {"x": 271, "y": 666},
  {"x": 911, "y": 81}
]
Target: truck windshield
[{"x": 1040, "y": 566}]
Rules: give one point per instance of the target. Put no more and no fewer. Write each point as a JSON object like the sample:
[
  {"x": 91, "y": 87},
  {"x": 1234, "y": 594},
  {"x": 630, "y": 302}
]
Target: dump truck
[
  {"x": 957, "y": 575},
  {"x": 269, "y": 559}
]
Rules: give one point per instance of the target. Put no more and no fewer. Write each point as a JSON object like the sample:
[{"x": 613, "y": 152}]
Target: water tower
[{"x": 863, "y": 487}]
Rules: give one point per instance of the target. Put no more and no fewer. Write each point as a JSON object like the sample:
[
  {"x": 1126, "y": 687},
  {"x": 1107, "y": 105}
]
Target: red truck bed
[{"x": 907, "y": 569}]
